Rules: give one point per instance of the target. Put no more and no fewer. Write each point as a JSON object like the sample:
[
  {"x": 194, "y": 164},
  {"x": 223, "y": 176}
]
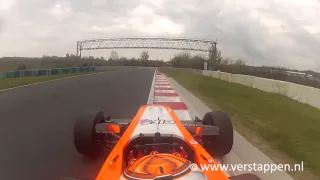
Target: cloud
[
  {"x": 6, "y": 5},
  {"x": 60, "y": 11},
  {"x": 263, "y": 32},
  {"x": 1, "y": 25},
  {"x": 144, "y": 19}
]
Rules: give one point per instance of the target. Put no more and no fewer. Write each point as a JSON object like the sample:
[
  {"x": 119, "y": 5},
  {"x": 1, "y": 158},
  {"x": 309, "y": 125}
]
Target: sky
[{"x": 261, "y": 32}]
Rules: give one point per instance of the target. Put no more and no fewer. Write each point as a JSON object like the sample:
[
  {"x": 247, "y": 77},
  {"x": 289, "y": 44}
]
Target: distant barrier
[
  {"x": 115, "y": 67},
  {"x": 185, "y": 69},
  {"x": 301, "y": 93},
  {"x": 45, "y": 72}
]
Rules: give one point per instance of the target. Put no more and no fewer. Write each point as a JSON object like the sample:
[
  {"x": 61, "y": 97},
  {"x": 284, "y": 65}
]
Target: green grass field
[
  {"x": 14, "y": 82},
  {"x": 286, "y": 130}
]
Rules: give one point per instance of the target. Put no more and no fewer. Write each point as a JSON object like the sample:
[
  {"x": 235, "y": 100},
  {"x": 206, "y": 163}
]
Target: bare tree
[
  {"x": 240, "y": 62},
  {"x": 225, "y": 61},
  {"x": 114, "y": 55},
  {"x": 22, "y": 67},
  {"x": 218, "y": 57},
  {"x": 185, "y": 55},
  {"x": 144, "y": 55}
]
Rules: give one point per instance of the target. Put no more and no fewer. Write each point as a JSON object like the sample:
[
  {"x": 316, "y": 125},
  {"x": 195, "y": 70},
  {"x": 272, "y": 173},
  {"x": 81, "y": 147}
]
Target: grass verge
[
  {"x": 14, "y": 82},
  {"x": 286, "y": 130}
]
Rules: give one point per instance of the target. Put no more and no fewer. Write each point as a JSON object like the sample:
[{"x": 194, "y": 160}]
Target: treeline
[
  {"x": 182, "y": 60},
  {"x": 135, "y": 62},
  {"x": 219, "y": 63},
  {"x": 276, "y": 73},
  {"x": 115, "y": 60},
  {"x": 48, "y": 62}
]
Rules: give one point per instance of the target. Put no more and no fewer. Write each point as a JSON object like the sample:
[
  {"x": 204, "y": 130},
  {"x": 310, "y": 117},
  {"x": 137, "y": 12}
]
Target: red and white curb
[{"x": 164, "y": 94}]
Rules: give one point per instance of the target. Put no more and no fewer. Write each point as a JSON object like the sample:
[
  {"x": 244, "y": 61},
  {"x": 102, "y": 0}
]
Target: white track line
[{"x": 151, "y": 94}]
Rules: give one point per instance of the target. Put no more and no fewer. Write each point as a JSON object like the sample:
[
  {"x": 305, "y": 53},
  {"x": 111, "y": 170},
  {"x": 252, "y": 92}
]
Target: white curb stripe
[
  {"x": 162, "y": 86},
  {"x": 164, "y": 91},
  {"x": 166, "y": 99}
]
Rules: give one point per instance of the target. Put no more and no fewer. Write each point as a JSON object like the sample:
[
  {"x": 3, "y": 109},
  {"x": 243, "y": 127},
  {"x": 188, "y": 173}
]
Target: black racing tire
[
  {"x": 221, "y": 144},
  {"x": 86, "y": 140}
]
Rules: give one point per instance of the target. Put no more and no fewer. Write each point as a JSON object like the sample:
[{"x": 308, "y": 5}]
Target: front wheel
[
  {"x": 221, "y": 144},
  {"x": 86, "y": 139}
]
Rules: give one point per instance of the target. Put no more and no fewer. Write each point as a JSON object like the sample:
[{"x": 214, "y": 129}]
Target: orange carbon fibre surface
[
  {"x": 154, "y": 165},
  {"x": 113, "y": 166},
  {"x": 113, "y": 128}
]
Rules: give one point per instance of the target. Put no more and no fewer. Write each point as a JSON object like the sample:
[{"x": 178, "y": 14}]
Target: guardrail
[
  {"x": 44, "y": 72},
  {"x": 115, "y": 67},
  {"x": 186, "y": 69},
  {"x": 301, "y": 93}
]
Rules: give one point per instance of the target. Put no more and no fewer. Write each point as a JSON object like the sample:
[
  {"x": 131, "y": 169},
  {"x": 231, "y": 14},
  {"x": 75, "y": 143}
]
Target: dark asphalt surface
[{"x": 36, "y": 130}]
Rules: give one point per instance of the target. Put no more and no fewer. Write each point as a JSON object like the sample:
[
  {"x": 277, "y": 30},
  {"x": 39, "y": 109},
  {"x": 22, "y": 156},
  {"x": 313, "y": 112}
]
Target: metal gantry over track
[{"x": 147, "y": 43}]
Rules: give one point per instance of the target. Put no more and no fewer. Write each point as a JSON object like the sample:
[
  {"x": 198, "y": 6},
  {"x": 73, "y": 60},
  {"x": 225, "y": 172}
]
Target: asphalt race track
[{"x": 36, "y": 131}]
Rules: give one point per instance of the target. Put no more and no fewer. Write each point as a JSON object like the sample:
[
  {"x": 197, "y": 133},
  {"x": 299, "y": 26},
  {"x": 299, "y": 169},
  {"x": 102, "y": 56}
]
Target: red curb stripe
[
  {"x": 174, "y": 105},
  {"x": 165, "y": 94},
  {"x": 162, "y": 84}
]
